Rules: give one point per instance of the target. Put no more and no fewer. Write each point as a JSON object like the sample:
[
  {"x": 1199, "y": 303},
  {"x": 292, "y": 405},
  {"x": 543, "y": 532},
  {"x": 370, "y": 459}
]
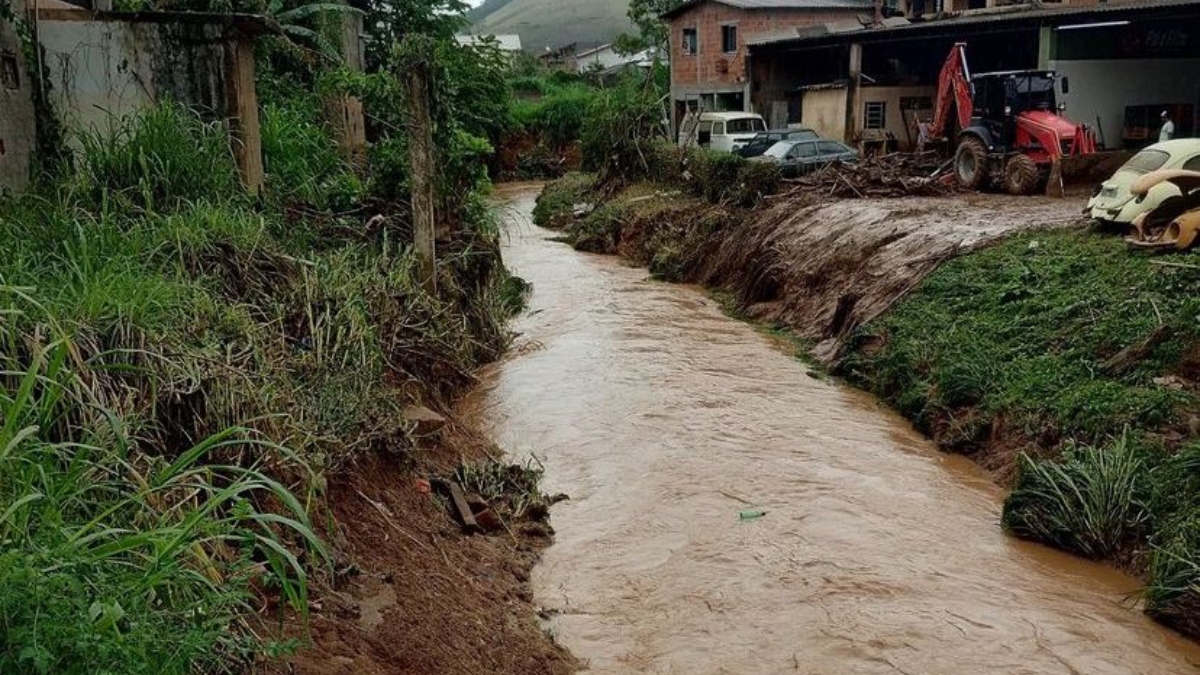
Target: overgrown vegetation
[{"x": 182, "y": 364}]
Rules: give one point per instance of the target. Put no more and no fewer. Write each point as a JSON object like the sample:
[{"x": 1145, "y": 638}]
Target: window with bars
[{"x": 875, "y": 115}]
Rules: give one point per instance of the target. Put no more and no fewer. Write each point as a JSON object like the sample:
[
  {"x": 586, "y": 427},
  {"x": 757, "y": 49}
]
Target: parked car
[
  {"x": 796, "y": 158},
  {"x": 1175, "y": 223},
  {"x": 720, "y": 131},
  {"x": 759, "y": 144},
  {"x": 1114, "y": 200}
]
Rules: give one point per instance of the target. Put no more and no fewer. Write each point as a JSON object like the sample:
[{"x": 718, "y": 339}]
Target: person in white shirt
[{"x": 1168, "y": 128}]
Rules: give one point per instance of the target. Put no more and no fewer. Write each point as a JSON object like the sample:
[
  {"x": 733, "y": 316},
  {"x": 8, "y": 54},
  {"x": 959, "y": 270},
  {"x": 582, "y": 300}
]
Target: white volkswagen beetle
[{"x": 1115, "y": 202}]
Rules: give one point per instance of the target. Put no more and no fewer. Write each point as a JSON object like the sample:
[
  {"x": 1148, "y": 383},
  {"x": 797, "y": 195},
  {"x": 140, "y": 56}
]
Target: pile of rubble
[{"x": 896, "y": 174}]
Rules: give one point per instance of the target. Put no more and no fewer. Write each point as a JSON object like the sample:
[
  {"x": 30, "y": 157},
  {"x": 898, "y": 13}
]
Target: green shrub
[
  {"x": 758, "y": 180},
  {"x": 600, "y": 230},
  {"x": 621, "y": 126},
  {"x": 558, "y": 116},
  {"x": 1092, "y": 502},
  {"x": 556, "y": 204}
]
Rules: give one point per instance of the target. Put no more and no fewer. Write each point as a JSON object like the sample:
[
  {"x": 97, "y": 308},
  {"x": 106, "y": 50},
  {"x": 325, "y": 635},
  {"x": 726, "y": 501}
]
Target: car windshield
[
  {"x": 779, "y": 150},
  {"x": 803, "y": 134},
  {"x": 1146, "y": 161},
  {"x": 745, "y": 125}
]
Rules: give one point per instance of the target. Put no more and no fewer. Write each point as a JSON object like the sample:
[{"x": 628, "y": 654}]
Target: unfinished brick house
[{"x": 709, "y": 43}]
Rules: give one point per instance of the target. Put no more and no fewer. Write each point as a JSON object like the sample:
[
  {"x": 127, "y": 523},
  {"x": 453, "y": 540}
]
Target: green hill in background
[{"x": 553, "y": 23}]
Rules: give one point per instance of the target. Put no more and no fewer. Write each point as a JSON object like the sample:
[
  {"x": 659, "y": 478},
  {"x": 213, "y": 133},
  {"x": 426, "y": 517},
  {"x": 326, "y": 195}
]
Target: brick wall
[{"x": 712, "y": 65}]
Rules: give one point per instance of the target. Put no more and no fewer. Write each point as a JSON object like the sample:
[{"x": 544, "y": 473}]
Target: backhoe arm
[{"x": 954, "y": 90}]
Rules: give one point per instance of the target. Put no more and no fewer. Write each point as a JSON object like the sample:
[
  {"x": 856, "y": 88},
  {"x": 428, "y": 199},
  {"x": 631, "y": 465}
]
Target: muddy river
[{"x": 663, "y": 419}]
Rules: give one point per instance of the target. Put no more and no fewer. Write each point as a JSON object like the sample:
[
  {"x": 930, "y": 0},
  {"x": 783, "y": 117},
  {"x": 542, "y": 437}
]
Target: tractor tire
[
  {"x": 1021, "y": 176},
  {"x": 971, "y": 163}
]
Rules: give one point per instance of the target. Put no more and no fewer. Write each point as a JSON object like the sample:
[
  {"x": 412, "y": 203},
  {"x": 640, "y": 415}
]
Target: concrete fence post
[{"x": 418, "y": 80}]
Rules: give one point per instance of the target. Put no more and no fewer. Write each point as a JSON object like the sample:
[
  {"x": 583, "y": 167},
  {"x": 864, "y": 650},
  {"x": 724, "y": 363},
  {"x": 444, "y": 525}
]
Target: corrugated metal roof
[
  {"x": 775, "y": 4},
  {"x": 506, "y": 43},
  {"x": 1013, "y": 14}
]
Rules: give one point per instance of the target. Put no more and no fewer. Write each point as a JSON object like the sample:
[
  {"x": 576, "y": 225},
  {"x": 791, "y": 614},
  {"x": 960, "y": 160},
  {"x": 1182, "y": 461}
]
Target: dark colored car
[
  {"x": 764, "y": 140},
  {"x": 796, "y": 158}
]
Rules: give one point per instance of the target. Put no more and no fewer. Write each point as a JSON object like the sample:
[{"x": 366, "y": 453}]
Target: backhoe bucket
[{"x": 1093, "y": 168}]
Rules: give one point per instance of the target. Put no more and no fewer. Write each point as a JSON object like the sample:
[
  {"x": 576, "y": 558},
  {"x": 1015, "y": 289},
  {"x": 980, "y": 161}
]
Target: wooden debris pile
[{"x": 898, "y": 174}]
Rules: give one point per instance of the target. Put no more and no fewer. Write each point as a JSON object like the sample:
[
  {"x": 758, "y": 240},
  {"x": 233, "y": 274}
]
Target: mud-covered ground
[
  {"x": 411, "y": 593},
  {"x": 821, "y": 268}
]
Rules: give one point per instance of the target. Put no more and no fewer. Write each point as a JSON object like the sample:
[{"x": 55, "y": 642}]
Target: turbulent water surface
[{"x": 663, "y": 419}]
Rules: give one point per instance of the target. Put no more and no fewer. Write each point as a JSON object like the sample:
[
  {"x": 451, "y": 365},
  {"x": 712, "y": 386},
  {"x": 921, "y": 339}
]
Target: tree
[
  {"x": 387, "y": 22},
  {"x": 652, "y": 31}
]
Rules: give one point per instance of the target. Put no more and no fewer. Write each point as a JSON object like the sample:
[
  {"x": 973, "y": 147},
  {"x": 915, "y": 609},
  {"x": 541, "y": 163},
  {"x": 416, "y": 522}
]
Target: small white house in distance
[
  {"x": 507, "y": 43},
  {"x": 605, "y": 58}
]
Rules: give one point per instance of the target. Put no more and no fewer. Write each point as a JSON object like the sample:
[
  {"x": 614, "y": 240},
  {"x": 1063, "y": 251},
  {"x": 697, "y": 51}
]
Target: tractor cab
[{"x": 1000, "y": 97}]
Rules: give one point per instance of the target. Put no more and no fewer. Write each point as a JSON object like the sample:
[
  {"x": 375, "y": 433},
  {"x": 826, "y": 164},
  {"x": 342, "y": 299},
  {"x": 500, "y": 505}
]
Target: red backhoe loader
[{"x": 1008, "y": 128}]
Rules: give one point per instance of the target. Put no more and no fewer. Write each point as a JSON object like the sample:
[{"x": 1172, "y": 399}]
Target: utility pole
[{"x": 418, "y": 82}]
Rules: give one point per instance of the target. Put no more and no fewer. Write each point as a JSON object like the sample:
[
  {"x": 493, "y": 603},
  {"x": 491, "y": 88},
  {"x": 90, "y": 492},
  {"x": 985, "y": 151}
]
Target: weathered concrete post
[
  {"x": 853, "y": 92},
  {"x": 243, "y": 113},
  {"x": 418, "y": 80}
]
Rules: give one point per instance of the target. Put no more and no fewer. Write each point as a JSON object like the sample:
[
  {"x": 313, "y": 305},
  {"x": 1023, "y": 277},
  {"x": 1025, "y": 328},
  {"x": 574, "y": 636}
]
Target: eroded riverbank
[{"x": 877, "y": 554}]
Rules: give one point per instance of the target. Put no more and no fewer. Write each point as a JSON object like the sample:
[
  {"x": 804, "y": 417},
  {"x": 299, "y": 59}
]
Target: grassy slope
[
  {"x": 554, "y": 23},
  {"x": 1015, "y": 341}
]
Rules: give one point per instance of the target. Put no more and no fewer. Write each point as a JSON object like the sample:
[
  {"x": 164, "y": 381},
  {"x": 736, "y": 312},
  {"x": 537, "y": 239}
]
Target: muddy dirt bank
[
  {"x": 819, "y": 269},
  {"x": 412, "y": 594}
]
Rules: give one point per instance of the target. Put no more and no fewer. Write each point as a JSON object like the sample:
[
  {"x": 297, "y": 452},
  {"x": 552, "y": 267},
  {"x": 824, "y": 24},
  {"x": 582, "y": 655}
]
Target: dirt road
[{"x": 663, "y": 419}]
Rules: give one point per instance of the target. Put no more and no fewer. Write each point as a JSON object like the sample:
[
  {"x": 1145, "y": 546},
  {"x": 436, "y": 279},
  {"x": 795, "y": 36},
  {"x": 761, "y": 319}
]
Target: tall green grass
[
  {"x": 156, "y": 159},
  {"x": 118, "y": 561},
  {"x": 302, "y": 161},
  {"x": 1093, "y": 502},
  {"x": 178, "y": 364}
]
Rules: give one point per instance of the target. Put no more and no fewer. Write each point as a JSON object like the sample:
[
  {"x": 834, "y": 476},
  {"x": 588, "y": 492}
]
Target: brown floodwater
[{"x": 662, "y": 418}]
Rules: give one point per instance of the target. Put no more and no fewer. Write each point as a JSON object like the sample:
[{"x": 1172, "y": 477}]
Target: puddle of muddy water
[{"x": 663, "y": 419}]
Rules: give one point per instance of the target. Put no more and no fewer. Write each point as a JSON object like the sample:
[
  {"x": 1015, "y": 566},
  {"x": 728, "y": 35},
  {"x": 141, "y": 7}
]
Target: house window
[
  {"x": 691, "y": 42},
  {"x": 729, "y": 39},
  {"x": 875, "y": 116}
]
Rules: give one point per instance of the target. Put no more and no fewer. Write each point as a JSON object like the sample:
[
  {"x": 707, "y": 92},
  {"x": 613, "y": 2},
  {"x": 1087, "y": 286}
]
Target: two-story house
[{"x": 708, "y": 44}]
